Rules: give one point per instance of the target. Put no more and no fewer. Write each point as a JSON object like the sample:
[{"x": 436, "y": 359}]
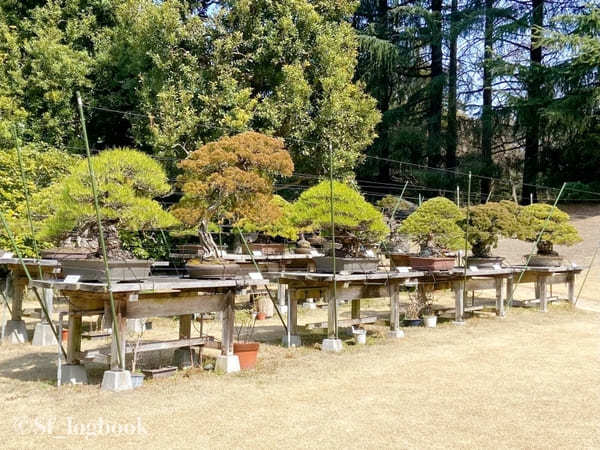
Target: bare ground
[{"x": 529, "y": 380}]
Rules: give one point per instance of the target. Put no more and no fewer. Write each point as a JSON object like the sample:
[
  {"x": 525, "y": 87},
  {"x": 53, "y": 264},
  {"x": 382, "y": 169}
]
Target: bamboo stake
[
  {"x": 101, "y": 233},
  {"x": 467, "y": 238},
  {"x": 331, "y": 208}
]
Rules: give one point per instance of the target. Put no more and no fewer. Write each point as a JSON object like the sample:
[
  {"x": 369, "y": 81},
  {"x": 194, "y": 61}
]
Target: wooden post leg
[
  {"x": 185, "y": 326},
  {"x": 538, "y": 291},
  {"x": 458, "y": 301},
  {"x": 509, "y": 289},
  {"x": 18, "y": 292},
  {"x": 293, "y": 313},
  {"x": 356, "y": 308},
  {"x": 395, "y": 310},
  {"x": 121, "y": 327},
  {"x": 543, "y": 294},
  {"x": 331, "y": 315},
  {"x": 499, "y": 299},
  {"x": 571, "y": 287},
  {"x": 228, "y": 324},
  {"x": 74, "y": 343},
  {"x": 281, "y": 292}
]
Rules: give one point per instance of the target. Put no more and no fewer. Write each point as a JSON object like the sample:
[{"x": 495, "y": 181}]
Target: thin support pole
[
  {"x": 464, "y": 284},
  {"x": 331, "y": 210},
  {"x": 535, "y": 244},
  {"x": 115, "y": 327},
  {"x": 27, "y": 201},
  {"x": 397, "y": 205},
  {"x": 586, "y": 274},
  {"x": 259, "y": 271},
  {"x": 458, "y": 196}
]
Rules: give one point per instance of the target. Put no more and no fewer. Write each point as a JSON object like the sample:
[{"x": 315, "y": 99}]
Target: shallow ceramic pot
[
  {"x": 94, "y": 270},
  {"x": 484, "y": 262},
  {"x": 543, "y": 260},
  {"x": 214, "y": 270},
  {"x": 431, "y": 263},
  {"x": 350, "y": 265}
]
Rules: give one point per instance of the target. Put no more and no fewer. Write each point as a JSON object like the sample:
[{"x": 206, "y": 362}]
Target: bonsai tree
[
  {"x": 434, "y": 227},
  {"x": 229, "y": 180},
  {"x": 127, "y": 182},
  {"x": 280, "y": 227},
  {"x": 357, "y": 223},
  {"x": 390, "y": 205},
  {"x": 487, "y": 222},
  {"x": 558, "y": 230}
]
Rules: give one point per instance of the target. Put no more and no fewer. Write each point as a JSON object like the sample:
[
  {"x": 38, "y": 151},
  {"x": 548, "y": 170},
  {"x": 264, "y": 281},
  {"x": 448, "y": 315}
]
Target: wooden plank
[
  {"x": 343, "y": 323},
  {"x": 74, "y": 342},
  {"x": 355, "y": 308},
  {"x": 185, "y": 326},
  {"x": 149, "y": 305}
]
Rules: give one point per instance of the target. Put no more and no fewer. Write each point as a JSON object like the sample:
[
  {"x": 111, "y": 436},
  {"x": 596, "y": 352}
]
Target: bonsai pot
[
  {"x": 484, "y": 261},
  {"x": 268, "y": 249},
  {"x": 93, "y": 269},
  {"x": 137, "y": 379},
  {"x": 412, "y": 322},
  {"x": 61, "y": 254},
  {"x": 543, "y": 260},
  {"x": 430, "y": 321},
  {"x": 316, "y": 241},
  {"x": 247, "y": 352},
  {"x": 212, "y": 269},
  {"x": 261, "y": 315},
  {"x": 431, "y": 263},
  {"x": 163, "y": 372},
  {"x": 399, "y": 259},
  {"x": 351, "y": 265},
  {"x": 303, "y": 250}
]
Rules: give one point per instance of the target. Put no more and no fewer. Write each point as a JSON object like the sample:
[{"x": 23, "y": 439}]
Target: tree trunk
[
  {"x": 532, "y": 110},
  {"x": 452, "y": 136},
  {"x": 436, "y": 94},
  {"x": 487, "y": 127},
  {"x": 208, "y": 244}
]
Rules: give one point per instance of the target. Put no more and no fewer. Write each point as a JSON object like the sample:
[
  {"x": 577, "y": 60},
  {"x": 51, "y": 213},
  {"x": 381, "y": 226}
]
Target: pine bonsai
[
  {"x": 434, "y": 227},
  {"x": 229, "y": 180},
  {"x": 487, "y": 222},
  {"x": 127, "y": 181},
  {"x": 390, "y": 205},
  {"x": 558, "y": 230},
  {"x": 357, "y": 223}
]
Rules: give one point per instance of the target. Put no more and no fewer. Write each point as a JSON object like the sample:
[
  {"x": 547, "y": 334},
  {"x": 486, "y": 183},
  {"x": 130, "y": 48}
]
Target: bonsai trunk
[
  {"x": 480, "y": 250},
  {"x": 209, "y": 247},
  {"x": 546, "y": 248},
  {"x": 88, "y": 237}
]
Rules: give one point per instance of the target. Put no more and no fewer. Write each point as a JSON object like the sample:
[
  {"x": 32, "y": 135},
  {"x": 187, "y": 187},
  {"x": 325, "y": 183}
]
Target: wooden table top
[
  {"x": 547, "y": 269},
  {"x": 328, "y": 277},
  {"x": 153, "y": 284}
]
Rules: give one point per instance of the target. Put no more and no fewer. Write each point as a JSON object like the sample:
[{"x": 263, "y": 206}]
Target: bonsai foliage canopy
[
  {"x": 229, "y": 180},
  {"x": 280, "y": 227},
  {"x": 434, "y": 226},
  {"x": 356, "y": 221},
  {"x": 127, "y": 180},
  {"x": 489, "y": 221},
  {"x": 558, "y": 230}
]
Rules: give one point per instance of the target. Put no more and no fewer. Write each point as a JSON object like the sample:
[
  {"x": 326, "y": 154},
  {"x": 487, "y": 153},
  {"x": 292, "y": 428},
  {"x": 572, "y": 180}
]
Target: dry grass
[{"x": 529, "y": 380}]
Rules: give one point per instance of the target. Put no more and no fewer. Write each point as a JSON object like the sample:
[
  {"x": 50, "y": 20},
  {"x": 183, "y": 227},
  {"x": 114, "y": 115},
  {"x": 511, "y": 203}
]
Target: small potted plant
[
  {"x": 487, "y": 223},
  {"x": 434, "y": 227},
  {"x": 127, "y": 182},
  {"x": 245, "y": 348},
  {"x": 557, "y": 231},
  {"x": 357, "y": 225},
  {"x": 281, "y": 228},
  {"x": 226, "y": 181}
]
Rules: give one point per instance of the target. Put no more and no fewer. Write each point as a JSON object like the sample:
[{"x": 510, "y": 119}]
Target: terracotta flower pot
[
  {"x": 261, "y": 316},
  {"x": 247, "y": 352},
  {"x": 65, "y": 335}
]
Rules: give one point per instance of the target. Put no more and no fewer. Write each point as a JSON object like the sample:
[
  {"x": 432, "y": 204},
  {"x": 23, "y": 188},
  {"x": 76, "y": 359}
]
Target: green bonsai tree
[
  {"x": 434, "y": 227},
  {"x": 558, "y": 230},
  {"x": 357, "y": 223},
  {"x": 229, "y": 180},
  {"x": 127, "y": 181},
  {"x": 282, "y": 226},
  {"x": 390, "y": 205},
  {"x": 487, "y": 222}
]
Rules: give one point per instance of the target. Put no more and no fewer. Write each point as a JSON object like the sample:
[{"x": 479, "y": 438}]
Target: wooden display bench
[
  {"x": 352, "y": 287},
  {"x": 543, "y": 277},
  {"x": 480, "y": 279},
  {"x": 155, "y": 297},
  {"x": 50, "y": 269}
]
